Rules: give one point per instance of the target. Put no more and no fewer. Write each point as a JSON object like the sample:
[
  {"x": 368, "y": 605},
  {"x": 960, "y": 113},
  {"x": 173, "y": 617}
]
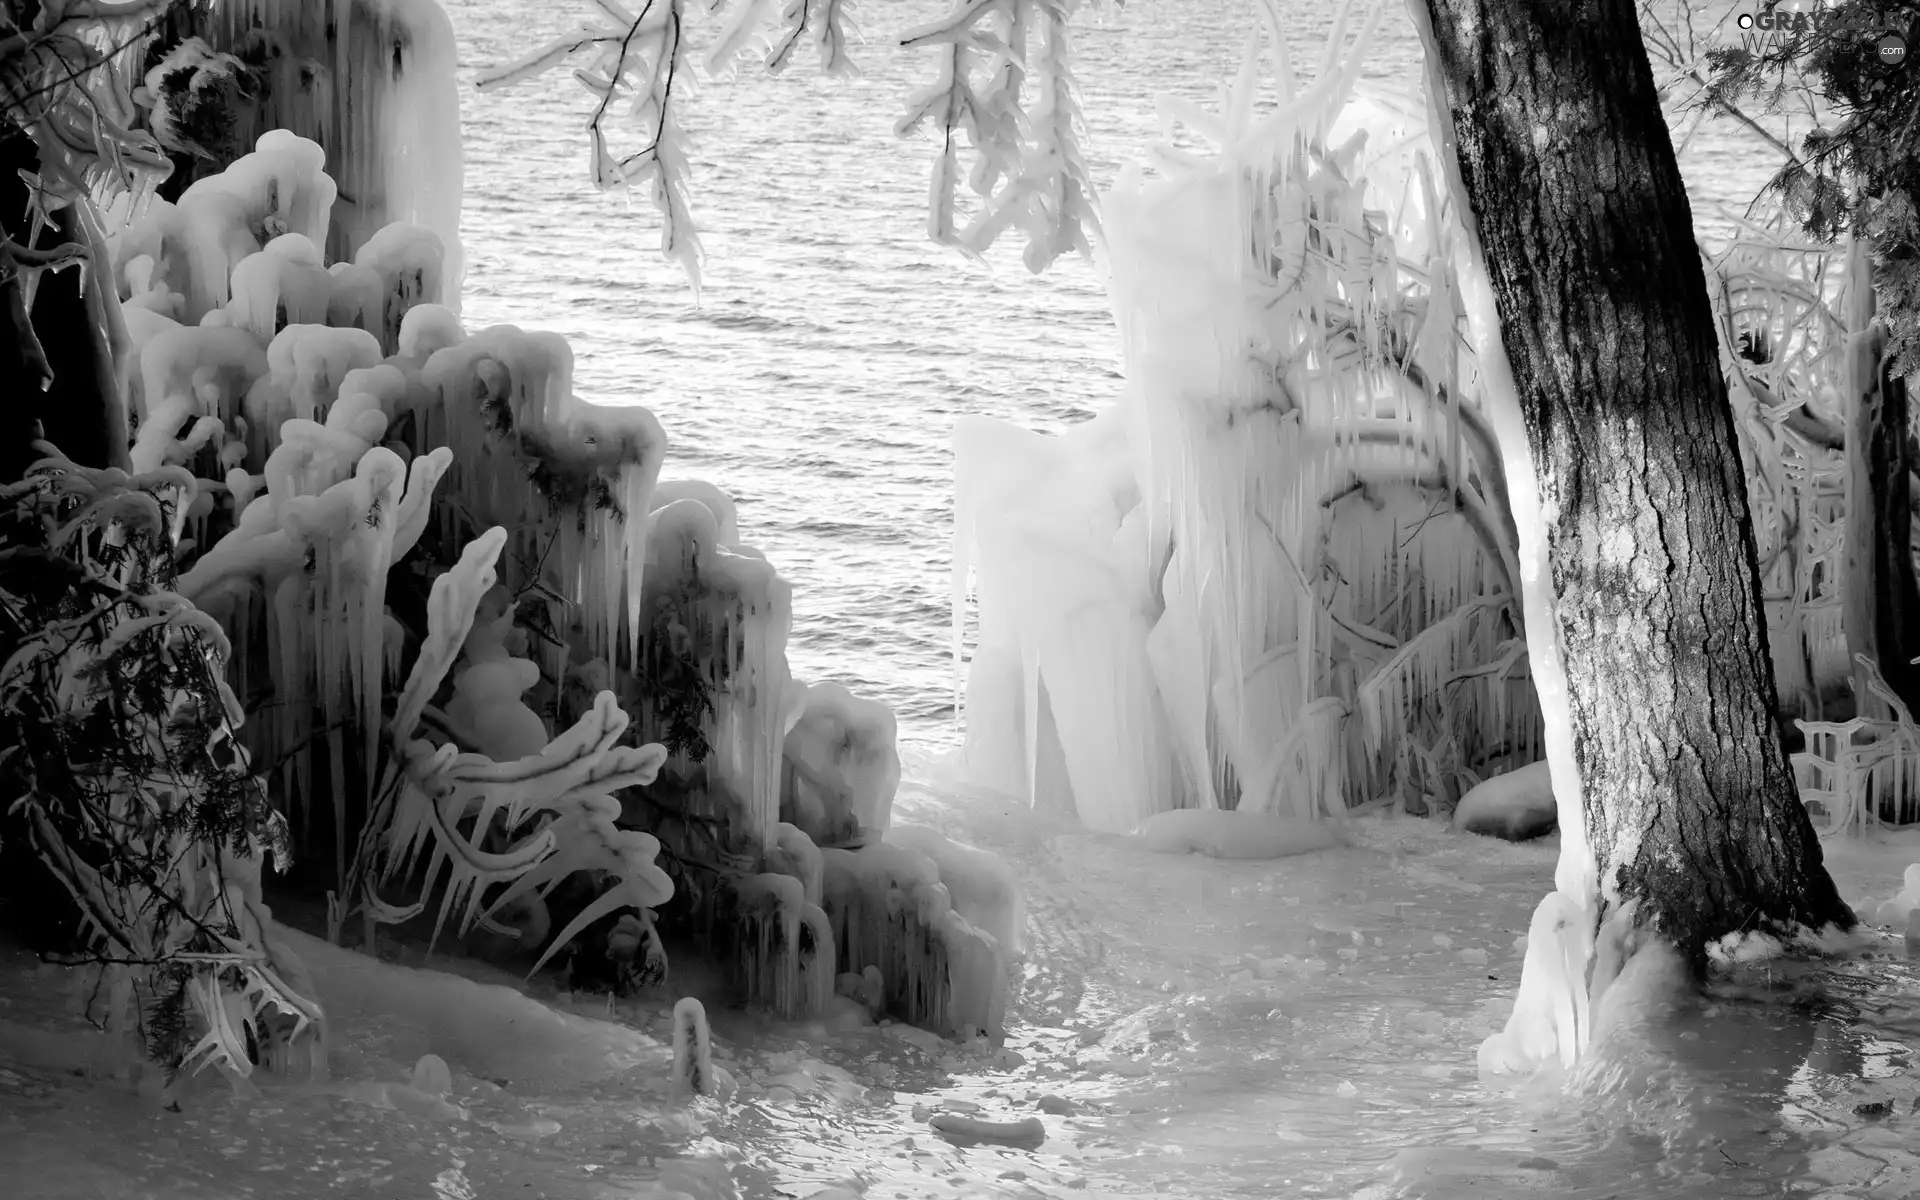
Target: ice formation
[
  {"x": 1900, "y": 909},
  {"x": 482, "y": 1029},
  {"x": 1062, "y": 659},
  {"x": 487, "y": 704},
  {"x": 1549, "y": 1022},
  {"x": 841, "y": 768},
  {"x": 726, "y": 609},
  {"x": 786, "y": 963},
  {"x": 891, "y": 911},
  {"x": 603, "y": 667},
  {"x": 373, "y": 82},
  {"x": 1229, "y": 833},
  {"x": 1027, "y": 1132},
  {"x": 1280, "y": 574},
  {"x": 1792, "y": 346},
  {"x": 981, "y": 886},
  {"x": 183, "y": 255},
  {"x": 1864, "y": 771}
]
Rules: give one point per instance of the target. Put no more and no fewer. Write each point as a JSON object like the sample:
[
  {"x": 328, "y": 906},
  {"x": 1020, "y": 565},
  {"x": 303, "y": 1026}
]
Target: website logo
[{"x": 1769, "y": 30}]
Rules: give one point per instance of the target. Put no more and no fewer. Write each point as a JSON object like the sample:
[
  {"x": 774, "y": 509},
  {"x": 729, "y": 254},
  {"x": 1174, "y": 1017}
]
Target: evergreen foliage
[
  {"x": 122, "y": 766},
  {"x": 1858, "y": 171}
]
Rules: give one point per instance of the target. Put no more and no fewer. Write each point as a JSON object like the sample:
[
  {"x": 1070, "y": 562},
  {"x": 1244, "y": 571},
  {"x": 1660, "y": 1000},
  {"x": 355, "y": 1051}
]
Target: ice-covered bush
[
  {"x": 551, "y": 802},
  {"x": 500, "y": 665},
  {"x": 1278, "y": 575},
  {"x": 615, "y": 712},
  {"x": 120, "y": 744},
  {"x": 1782, "y": 342},
  {"x": 1797, "y": 361}
]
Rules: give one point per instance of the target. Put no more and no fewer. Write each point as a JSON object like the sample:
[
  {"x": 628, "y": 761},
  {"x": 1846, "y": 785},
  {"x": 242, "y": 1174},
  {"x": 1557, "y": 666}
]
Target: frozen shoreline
[{"x": 1206, "y": 1030}]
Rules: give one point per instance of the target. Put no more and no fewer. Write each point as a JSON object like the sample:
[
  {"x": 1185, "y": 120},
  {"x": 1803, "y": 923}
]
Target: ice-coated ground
[{"x": 1186, "y": 1027}]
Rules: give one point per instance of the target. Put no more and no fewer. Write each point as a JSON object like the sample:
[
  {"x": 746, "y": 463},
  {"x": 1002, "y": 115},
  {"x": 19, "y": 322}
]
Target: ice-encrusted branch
[
  {"x": 950, "y": 103},
  {"x": 18, "y": 267},
  {"x": 67, "y": 82},
  {"x": 1024, "y": 128},
  {"x": 643, "y": 57},
  {"x": 158, "y": 829},
  {"x": 1048, "y": 192},
  {"x": 1021, "y": 120},
  {"x": 832, "y": 24}
]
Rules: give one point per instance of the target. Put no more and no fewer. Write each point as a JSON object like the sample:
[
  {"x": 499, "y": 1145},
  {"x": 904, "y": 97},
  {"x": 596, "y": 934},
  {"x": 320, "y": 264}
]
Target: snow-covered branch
[
  {"x": 640, "y": 58},
  {"x": 18, "y": 267},
  {"x": 1020, "y": 118},
  {"x": 1024, "y": 128}
]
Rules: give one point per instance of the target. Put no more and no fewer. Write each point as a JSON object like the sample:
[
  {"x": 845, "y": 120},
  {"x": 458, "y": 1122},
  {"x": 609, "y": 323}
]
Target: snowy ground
[{"x": 1185, "y": 1027}]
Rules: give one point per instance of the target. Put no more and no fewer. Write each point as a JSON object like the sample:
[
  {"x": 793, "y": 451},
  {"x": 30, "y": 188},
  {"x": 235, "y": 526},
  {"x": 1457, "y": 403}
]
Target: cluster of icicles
[
  {"x": 1795, "y": 350},
  {"x": 1279, "y": 573},
  {"x": 349, "y": 418}
]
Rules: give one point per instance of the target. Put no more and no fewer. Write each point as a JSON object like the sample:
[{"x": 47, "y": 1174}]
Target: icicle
[
  {"x": 409, "y": 262},
  {"x": 771, "y": 914},
  {"x": 817, "y": 966},
  {"x": 284, "y": 284},
  {"x": 727, "y": 612},
  {"x": 374, "y": 82},
  {"x": 983, "y": 887},
  {"x": 794, "y": 854},
  {"x": 280, "y": 187}
]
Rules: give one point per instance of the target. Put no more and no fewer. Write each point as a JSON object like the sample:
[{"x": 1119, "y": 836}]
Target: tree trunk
[
  {"x": 1690, "y": 806},
  {"x": 1882, "y": 604}
]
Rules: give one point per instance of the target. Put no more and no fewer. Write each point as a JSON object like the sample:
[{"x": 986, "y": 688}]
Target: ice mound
[
  {"x": 484, "y": 1029},
  {"x": 1899, "y": 910},
  {"x": 1226, "y": 833},
  {"x": 891, "y": 911},
  {"x": 1517, "y": 806},
  {"x": 841, "y": 768},
  {"x": 342, "y": 428},
  {"x": 1550, "y": 1021},
  {"x": 984, "y": 889}
]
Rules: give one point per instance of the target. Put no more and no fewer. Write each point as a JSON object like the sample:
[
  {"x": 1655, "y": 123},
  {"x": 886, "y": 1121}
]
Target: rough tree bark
[{"x": 1690, "y": 804}]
